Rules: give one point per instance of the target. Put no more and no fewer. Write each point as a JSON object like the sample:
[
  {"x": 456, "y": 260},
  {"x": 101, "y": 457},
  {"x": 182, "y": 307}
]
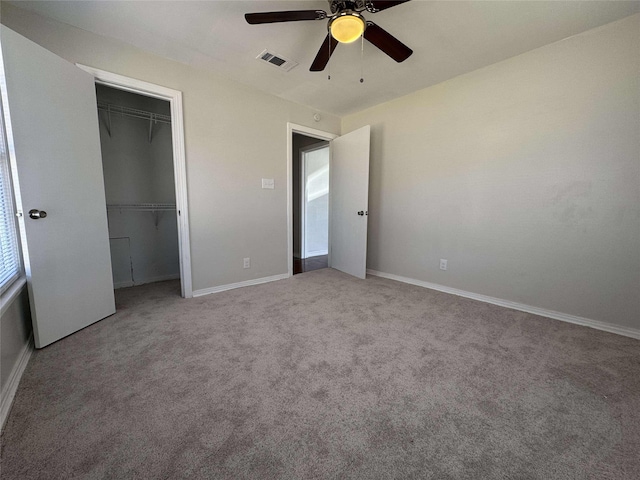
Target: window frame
[{"x": 7, "y": 187}]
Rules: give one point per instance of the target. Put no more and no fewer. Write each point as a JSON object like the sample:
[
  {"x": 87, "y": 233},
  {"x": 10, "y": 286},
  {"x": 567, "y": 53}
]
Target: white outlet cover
[
  {"x": 443, "y": 264},
  {"x": 268, "y": 183}
]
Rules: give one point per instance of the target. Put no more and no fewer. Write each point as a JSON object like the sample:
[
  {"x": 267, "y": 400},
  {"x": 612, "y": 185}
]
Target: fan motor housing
[{"x": 340, "y": 5}]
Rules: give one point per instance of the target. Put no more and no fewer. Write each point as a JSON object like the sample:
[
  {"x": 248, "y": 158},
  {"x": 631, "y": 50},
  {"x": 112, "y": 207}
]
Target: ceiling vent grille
[{"x": 276, "y": 60}]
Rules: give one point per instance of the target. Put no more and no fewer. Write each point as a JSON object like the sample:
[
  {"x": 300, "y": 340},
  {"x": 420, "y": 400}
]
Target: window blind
[{"x": 9, "y": 259}]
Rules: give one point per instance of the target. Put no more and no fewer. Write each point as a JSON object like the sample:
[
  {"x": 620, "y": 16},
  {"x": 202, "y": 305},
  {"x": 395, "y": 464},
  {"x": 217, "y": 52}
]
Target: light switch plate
[{"x": 268, "y": 183}]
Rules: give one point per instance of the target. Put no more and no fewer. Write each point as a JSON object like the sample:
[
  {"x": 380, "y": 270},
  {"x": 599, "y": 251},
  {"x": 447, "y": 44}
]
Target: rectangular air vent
[{"x": 276, "y": 60}]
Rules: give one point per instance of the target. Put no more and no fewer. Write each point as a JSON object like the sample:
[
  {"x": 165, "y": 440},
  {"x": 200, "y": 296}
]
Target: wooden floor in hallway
[{"x": 301, "y": 265}]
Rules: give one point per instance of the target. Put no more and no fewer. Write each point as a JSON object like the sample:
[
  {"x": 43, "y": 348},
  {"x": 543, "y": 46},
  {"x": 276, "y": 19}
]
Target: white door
[
  {"x": 52, "y": 125},
  {"x": 350, "y": 202}
]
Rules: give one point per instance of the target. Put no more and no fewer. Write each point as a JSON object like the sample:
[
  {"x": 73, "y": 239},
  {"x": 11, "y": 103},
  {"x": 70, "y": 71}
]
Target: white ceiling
[{"x": 448, "y": 38}]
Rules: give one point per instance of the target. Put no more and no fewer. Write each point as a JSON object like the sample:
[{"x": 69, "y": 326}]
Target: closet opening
[{"x": 140, "y": 187}]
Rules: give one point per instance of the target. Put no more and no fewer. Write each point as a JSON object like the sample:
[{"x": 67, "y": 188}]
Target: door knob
[
  {"x": 361, "y": 212},
  {"x": 36, "y": 214}
]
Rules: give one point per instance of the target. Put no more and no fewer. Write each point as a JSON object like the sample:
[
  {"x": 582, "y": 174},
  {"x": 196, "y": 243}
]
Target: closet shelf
[
  {"x": 142, "y": 207},
  {"x": 152, "y": 117},
  {"x": 134, "y": 112}
]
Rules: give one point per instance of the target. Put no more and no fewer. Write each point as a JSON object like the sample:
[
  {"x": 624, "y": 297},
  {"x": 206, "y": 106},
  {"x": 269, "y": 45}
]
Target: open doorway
[
  {"x": 310, "y": 204},
  {"x": 314, "y": 211},
  {"x": 299, "y": 139}
]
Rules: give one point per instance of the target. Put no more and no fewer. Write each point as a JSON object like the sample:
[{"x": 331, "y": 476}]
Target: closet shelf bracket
[
  {"x": 107, "y": 122},
  {"x": 152, "y": 120}
]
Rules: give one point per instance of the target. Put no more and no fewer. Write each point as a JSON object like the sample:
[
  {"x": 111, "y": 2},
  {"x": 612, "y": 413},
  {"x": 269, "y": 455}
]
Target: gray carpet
[{"x": 325, "y": 376}]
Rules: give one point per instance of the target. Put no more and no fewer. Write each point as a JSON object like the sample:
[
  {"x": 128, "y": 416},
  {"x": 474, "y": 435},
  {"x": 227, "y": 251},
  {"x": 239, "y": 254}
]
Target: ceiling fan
[{"x": 346, "y": 24}]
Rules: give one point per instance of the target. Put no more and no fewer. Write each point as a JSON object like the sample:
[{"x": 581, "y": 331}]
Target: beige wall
[
  {"x": 231, "y": 217},
  {"x": 524, "y": 175}
]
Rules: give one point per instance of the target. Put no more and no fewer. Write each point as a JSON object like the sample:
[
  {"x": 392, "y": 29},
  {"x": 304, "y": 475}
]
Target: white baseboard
[
  {"x": 9, "y": 392},
  {"x": 125, "y": 284},
  {"x": 317, "y": 253},
  {"x": 161, "y": 278},
  {"x": 247, "y": 283},
  {"x": 565, "y": 317}
]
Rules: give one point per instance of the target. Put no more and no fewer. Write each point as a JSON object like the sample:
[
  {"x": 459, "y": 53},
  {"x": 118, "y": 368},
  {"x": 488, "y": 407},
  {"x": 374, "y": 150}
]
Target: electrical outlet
[
  {"x": 268, "y": 183},
  {"x": 443, "y": 264},
  {"x": 246, "y": 263}
]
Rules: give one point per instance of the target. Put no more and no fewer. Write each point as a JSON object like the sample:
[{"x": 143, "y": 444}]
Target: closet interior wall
[{"x": 140, "y": 189}]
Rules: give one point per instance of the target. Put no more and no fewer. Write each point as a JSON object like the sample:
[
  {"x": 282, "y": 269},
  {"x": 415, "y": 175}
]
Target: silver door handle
[{"x": 36, "y": 214}]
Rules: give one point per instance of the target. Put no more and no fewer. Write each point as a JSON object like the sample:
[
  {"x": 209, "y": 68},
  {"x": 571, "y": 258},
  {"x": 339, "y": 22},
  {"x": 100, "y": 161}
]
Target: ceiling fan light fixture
[{"x": 347, "y": 27}]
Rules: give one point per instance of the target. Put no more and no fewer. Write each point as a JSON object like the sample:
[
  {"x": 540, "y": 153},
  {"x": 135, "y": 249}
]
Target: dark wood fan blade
[
  {"x": 324, "y": 54},
  {"x": 377, "y": 5},
  {"x": 290, "y": 16},
  {"x": 387, "y": 42}
]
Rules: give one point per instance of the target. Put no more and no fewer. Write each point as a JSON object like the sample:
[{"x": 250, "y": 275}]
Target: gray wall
[
  {"x": 230, "y": 215},
  {"x": 144, "y": 245},
  {"x": 524, "y": 175},
  {"x": 15, "y": 330}
]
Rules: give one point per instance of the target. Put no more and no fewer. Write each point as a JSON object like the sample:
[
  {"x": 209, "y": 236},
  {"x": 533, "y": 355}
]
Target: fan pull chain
[
  {"x": 329, "y": 61},
  {"x": 362, "y": 59}
]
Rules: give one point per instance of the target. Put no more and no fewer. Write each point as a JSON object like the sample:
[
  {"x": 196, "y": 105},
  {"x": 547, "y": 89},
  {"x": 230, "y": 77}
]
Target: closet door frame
[{"x": 174, "y": 97}]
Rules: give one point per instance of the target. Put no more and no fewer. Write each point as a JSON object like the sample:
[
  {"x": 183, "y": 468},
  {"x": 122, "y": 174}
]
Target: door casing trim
[
  {"x": 174, "y": 97},
  {"x": 309, "y": 132}
]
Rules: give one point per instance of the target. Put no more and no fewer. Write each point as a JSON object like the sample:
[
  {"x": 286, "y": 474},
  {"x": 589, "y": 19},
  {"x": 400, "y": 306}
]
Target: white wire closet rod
[
  {"x": 142, "y": 207},
  {"x": 134, "y": 112}
]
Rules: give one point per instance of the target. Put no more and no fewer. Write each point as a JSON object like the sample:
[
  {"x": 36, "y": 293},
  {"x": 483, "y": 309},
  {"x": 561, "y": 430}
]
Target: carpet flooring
[{"x": 323, "y": 376}]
